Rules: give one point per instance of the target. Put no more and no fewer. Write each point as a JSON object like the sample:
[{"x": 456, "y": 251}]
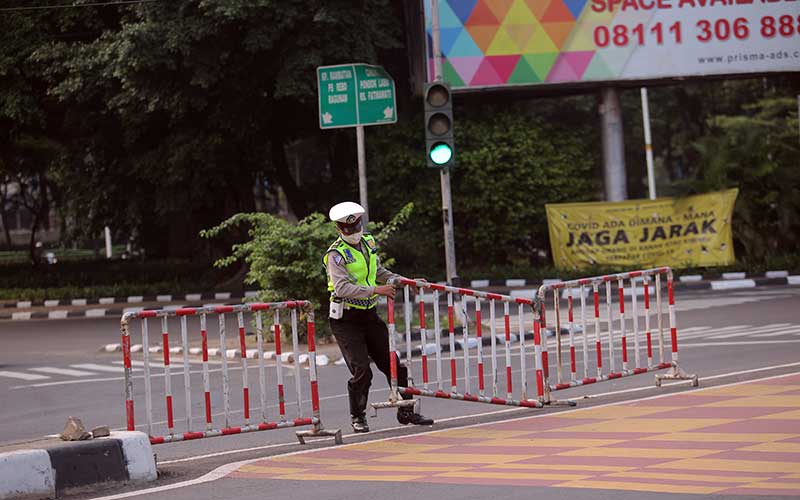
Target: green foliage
[
  {"x": 133, "y": 116},
  {"x": 285, "y": 259},
  {"x": 92, "y": 278},
  {"x": 109, "y": 272},
  {"x": 185, "y": 104},
  {"x": 757, "y": 151}
]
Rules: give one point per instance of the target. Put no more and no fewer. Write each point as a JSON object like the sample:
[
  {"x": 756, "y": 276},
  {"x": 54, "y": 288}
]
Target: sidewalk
[{"x": 739, "y": 439}]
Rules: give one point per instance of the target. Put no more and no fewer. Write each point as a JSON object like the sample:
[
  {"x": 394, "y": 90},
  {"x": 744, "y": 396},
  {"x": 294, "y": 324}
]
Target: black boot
[
  {"x": 359, "y": 423},
  {"x": 406, "y": 415}
]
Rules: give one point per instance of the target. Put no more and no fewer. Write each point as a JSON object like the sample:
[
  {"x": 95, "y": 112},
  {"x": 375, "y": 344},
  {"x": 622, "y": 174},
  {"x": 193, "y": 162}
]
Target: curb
[
  {"x": 687, "y": 284},
  {"x": 728, "y": 281},
  {"x": 770, "y": 278},
  {"x": 49, "y": 471},
  {"x": 88, "y": 313},
  {"x": 133, "y": 299}
]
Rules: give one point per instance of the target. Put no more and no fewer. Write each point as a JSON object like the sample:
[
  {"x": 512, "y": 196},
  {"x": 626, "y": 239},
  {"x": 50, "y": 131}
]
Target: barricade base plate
[
  {"x": 315, "y": 433},
  {"x": 676, "y": 373},
  {"x": 391, "y": 404}
]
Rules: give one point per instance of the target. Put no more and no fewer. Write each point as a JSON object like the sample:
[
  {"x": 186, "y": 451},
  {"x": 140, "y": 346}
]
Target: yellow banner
[{"x": 679, "y": 232}]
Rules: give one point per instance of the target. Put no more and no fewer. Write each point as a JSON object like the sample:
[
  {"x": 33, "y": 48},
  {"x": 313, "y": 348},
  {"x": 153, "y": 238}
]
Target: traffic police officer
[{"x": 354, "y": 270}]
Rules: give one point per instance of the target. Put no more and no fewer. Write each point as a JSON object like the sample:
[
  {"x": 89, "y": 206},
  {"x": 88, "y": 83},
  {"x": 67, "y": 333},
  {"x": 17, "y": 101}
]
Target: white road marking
[
  {"x": 136, "y": 362},
  {"x": 693, "y": 329},
  {"x": 62, "y": 371},
  {"x": 736, "y": 343},
  {"x": 725, "y": 328},
  {"x": 101, "y": 368},
  {"x": 793, "y": 330},
  {"x": 751, "y": 331},
  {"x": 23, "y": 376},
  {"x": 224, "y": 470}
]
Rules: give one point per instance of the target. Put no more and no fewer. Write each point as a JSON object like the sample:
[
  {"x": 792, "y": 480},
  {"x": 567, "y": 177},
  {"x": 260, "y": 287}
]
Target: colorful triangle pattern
[{"x": 499, "y": 42}]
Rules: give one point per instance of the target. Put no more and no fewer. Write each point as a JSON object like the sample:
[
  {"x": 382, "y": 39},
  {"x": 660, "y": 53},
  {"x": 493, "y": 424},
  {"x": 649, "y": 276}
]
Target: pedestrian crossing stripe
[
  {"x": 62, "y": 371},
  {"x": 101, "y": 368},
  {"x": 22, "y": 375}
]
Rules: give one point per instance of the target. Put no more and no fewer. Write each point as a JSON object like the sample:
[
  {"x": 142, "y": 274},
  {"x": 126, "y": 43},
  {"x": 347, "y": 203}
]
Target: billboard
[
  {"x": 500, "y": 43},
  {"x": 680, "y": 232}
]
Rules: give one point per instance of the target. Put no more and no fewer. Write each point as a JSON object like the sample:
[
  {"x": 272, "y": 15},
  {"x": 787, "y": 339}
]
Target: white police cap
[{"x": 346, "y": 212}]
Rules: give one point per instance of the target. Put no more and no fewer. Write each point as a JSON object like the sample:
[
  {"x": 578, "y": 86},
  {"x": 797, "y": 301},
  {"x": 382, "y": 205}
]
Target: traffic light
[{"x": 439, "y": 144}]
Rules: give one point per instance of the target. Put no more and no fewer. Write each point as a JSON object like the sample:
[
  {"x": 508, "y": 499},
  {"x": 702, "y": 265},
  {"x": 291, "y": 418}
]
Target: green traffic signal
[
  {"x": 441, "y": 153},
  {"x": 439, "y": 141}
]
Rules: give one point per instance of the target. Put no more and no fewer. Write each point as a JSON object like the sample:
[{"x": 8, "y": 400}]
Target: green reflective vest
[{"x": 360, "y": 271}]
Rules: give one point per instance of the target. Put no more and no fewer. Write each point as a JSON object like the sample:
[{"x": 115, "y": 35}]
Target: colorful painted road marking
[{"x": 740, "y": 439}]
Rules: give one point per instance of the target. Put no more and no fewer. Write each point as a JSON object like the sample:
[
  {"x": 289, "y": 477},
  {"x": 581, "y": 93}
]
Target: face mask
[{"x": 354, "y": 238}]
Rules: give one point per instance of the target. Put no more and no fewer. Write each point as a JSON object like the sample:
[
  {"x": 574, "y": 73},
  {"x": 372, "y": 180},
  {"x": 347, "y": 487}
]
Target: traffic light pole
[{"x": 447, "y": 201}]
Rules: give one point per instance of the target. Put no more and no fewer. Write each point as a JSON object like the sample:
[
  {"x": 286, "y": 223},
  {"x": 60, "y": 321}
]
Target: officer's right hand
[{"x": 385, "y": 290}]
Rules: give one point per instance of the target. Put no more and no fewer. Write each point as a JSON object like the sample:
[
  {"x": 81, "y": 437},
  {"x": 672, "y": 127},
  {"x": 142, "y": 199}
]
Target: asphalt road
[{"x": 721, "y": 332}]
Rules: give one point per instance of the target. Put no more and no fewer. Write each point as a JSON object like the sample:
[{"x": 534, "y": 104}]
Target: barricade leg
[
  {"x": 635, "y": 307},
  {"x": 597, "y": 341},
  {"x": 622, "y": 324},
  {"x": 548, "y": 399},
  {"x": 317, "y": 429},
  {"x": 523, "y": 371},
  {"x": 571, "y": 325},
  {"x": 557, "y": 314},
  {"x": 507, "y": 324},
  {"x": 675, "y": 372},
  {"x": 584, "y": 333},
  {"x": 148, "y": 389},
  {"x": 423, "y": 339},
  {"x": 545, "y": 360},
  {"x": 648, "y": 335},
  {"x": 394, "y": 401},
  {"x": 167, "y": 376},
  {"x": 479, "y": 335}
]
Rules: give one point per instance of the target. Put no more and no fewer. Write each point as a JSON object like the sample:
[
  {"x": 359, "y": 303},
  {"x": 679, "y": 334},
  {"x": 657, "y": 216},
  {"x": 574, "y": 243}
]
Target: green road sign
[{"x": 355, "y": 94}]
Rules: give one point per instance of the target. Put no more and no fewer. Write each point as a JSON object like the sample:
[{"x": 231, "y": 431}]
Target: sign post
[{"x": 356, "y": 95}]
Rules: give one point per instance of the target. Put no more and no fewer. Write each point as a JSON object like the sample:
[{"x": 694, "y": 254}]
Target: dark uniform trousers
[{"x": 362, "y": 335}]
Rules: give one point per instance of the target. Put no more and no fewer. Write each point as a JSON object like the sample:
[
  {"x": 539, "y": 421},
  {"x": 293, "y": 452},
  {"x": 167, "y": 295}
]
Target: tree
[
  {"x": 31, "y": 142},
  {"x": 187, "y": 103},
  {"x": 758, "y": 152}
]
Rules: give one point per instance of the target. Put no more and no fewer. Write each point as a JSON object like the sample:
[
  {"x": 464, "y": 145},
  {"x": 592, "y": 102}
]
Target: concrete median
[{"x": 48, "y": 468}]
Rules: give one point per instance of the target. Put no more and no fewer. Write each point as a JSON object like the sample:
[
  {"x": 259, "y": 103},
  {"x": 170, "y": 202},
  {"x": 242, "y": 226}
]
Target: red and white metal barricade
[
  {"x": 516, "y": 391},
  {"x": 651, "y": 282},
  {"x": 254, "y": 311}
]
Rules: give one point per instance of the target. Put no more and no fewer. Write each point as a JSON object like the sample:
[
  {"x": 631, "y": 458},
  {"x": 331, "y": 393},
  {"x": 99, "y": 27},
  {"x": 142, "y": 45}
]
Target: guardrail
[{"x": 191, "y": 432}]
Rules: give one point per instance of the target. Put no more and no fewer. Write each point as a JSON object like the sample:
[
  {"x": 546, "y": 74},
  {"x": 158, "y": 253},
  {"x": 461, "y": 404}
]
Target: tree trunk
[
  {"x": 294, "y": 195},
  {"x": 4, "y": 214},
  {"x": 6, "y": 231},
  {"x": 35, "y": 253}
]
